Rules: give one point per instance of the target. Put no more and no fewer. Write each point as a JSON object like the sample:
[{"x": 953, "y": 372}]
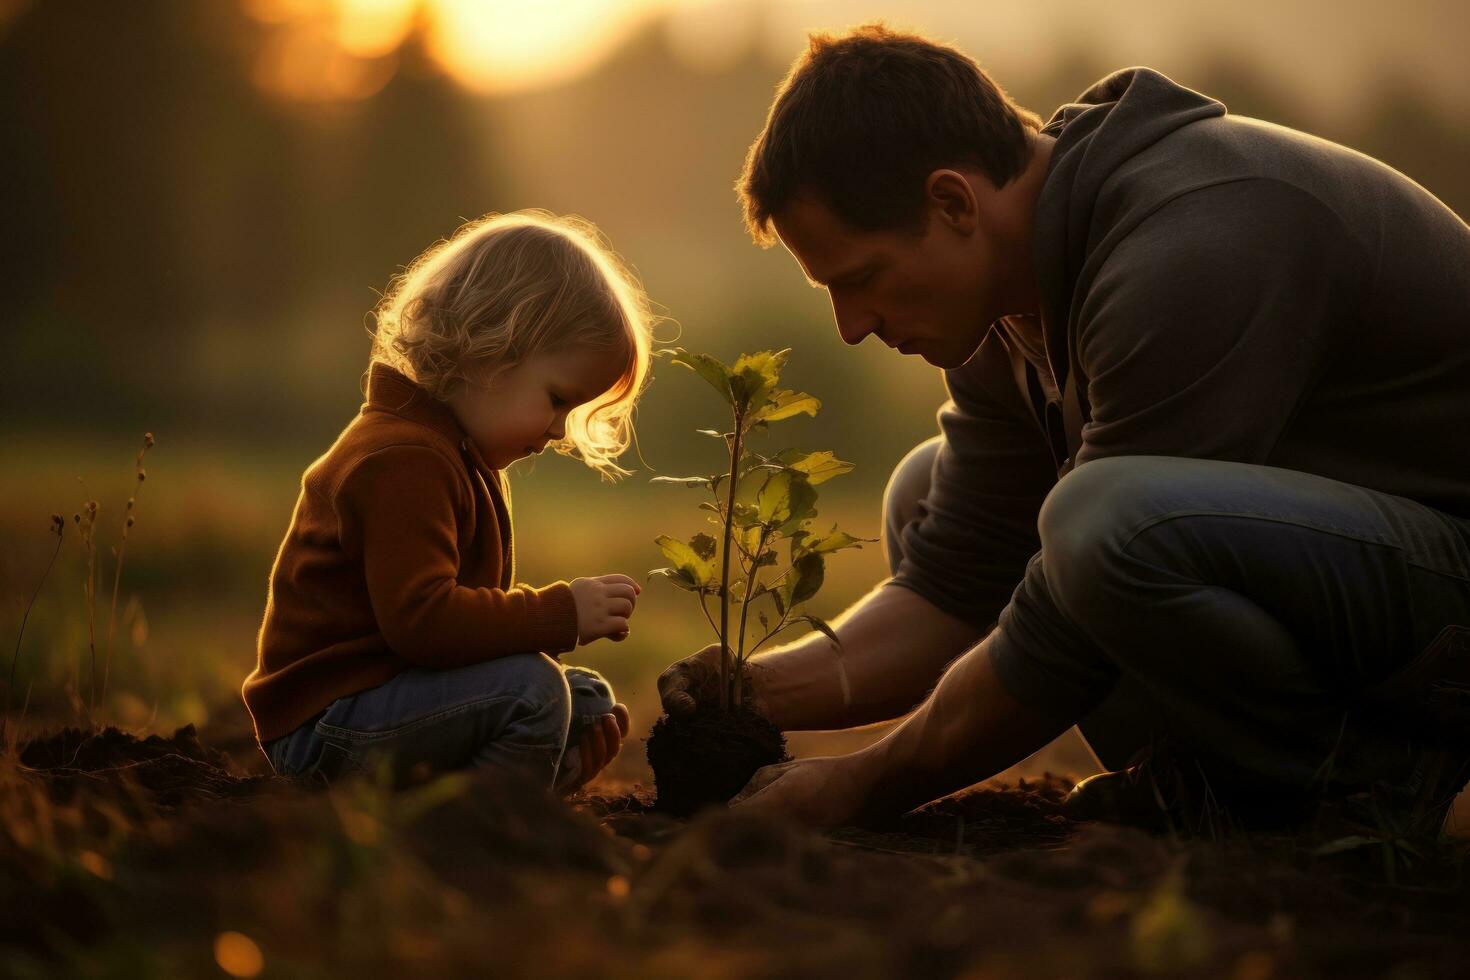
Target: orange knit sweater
[{"x": 399, "y": 554}]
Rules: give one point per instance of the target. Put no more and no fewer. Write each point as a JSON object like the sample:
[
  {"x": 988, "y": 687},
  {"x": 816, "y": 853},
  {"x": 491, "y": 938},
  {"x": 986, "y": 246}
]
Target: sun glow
[
  {"x": 334, "y": 50},
  {"x": 496, "y": 46}
]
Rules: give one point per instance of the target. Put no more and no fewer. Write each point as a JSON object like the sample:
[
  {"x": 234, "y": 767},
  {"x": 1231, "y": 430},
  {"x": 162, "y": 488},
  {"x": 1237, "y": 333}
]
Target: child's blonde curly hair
[{"x": 507, "y": 286}]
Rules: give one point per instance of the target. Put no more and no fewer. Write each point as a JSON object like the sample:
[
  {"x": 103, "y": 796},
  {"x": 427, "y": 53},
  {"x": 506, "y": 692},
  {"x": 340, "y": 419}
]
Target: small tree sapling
[{"x": 767, "y": 559}]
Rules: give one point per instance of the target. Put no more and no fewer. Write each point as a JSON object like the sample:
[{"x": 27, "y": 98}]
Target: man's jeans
[
  {"x": 1245, "y": 609},
  {"x": 515, "y": 714}
]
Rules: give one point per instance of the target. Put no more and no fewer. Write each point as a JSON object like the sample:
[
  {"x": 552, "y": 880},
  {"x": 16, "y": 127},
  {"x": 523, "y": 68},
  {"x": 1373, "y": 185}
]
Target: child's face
[{"x": 524, "y": 407}]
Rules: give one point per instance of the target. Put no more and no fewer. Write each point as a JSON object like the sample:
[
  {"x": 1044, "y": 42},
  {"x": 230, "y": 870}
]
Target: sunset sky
[{"x": 325, "y": 49}]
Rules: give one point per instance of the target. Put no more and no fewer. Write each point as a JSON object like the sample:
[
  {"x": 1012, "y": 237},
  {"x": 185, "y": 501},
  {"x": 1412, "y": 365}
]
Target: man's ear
[{"x": 949, "y": 196}]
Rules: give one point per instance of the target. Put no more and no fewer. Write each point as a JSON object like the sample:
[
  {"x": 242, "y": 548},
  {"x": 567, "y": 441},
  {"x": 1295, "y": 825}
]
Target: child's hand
[{"x": 604, "y": 603}]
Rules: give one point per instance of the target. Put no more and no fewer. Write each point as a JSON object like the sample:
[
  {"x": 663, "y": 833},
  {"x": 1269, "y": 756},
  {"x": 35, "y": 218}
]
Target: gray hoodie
[{"x": 1214, "y": 287}]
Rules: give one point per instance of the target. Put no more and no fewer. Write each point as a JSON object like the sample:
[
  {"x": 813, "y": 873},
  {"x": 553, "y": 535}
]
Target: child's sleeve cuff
[{"x": 553, "y": 619}]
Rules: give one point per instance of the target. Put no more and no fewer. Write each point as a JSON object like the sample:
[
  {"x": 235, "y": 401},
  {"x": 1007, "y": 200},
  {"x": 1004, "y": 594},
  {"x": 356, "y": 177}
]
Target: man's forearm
[
  {"x": 969, "y": 729},
  {"x": 895, "y": 644}
]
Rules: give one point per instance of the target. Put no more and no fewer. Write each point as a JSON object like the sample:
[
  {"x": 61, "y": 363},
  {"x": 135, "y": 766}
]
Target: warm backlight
[{"x": 334, "y": 50}]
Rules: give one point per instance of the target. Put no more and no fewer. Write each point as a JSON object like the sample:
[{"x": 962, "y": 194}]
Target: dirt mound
[
  {"x": 73, "y": 748},
  {"x": 172, "y": 771}
]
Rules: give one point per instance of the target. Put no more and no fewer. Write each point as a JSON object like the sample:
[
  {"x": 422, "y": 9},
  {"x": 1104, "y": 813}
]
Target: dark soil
[
  {"x": 130, "y": 857},
  {"x": 172, "y": 771},
  {"x": 75, "y": 748},
  {"x": 706, "y": 759}
]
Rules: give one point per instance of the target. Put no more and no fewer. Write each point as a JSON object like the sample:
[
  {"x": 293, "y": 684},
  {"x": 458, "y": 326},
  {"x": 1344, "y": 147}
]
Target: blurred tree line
[{"x": 186, "y": 253}]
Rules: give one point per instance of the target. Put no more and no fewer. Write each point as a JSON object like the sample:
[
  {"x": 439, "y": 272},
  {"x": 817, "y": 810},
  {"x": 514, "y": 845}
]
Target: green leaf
[
  {"x": 746, "y": 515},
  {"x": 750, "y": 481},
  {"x": 833, "y": 540},
  {"x": 817, "y": 623},
  {"x": 784, "y": 404},
  {"x": 747, "y": 482},
  {"x": 820, "y": 467},
  {"x": 709, "y": 368},
  {"x": 712, "y": 433},
  {"x": 773, "y": 500},
  {"x": 807, "y": 575},
  {"x": 765, "y": 365},
  {"x": 703, "y": 545},
  {"x": 785, "y": 500},
  {"x": 686, "y": 481},
  {"x": 686, "y": 558},
  {"x": 678, "y": 577},
  {"x": 755, "y": 376},
  {"x": 804, "y": 507}
]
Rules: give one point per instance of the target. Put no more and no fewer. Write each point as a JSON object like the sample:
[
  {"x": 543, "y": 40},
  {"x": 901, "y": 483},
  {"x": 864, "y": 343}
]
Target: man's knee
[
  {"x": 907, "y": 486},
  {"x": 1085, "y": 524}
]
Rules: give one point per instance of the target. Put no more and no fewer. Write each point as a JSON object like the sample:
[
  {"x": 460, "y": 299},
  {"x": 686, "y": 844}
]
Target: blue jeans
[
  {"x": 516, "y": 714},
  {"x": 1246, "y": 609}
]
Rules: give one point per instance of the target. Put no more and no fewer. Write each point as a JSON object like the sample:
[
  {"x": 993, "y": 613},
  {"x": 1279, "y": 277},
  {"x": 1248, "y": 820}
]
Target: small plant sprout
[
  {"x": 58, "y": 528},
  {"x": 86, "y": 521},
  {"x": 140, "y": 475},
  {"x": 760, "y": 503}
]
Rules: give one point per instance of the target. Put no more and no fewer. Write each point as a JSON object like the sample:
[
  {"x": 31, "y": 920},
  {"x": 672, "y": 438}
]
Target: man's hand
[
  {"x": 694, "y": 682},
  {"x": 686, "y": 683},
  {"x": 894, "y": 647},
  {"x": 601, "y": 742},
  {"x": 821, "y": 793},
  {"x": 604, "y": 603},
  {"x": 969, "y": 729}
]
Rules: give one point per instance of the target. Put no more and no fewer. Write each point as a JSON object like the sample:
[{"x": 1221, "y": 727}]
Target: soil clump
[{"x": 705, "y": 759}]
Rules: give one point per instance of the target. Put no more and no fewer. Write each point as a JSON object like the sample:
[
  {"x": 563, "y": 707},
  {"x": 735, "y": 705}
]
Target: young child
[{"x": 394, "y": 627}]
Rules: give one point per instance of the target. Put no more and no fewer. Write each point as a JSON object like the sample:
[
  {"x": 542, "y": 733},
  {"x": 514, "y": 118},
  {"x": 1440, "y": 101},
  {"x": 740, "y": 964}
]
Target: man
[{"x": 1206, "y": 463}]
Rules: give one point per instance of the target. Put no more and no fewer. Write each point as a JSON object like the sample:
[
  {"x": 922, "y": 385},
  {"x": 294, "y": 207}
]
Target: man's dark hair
[{"x": 861, "y": 121}]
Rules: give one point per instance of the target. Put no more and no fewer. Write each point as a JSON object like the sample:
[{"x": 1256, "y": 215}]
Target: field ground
[
  {"x": 165, "y": 857},
  {"x": 183, "y": 856}
]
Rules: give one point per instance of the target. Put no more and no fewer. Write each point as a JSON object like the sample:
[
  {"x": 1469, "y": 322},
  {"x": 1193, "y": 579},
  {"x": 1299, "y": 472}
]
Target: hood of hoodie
[{"x": 1112, "y": 122}]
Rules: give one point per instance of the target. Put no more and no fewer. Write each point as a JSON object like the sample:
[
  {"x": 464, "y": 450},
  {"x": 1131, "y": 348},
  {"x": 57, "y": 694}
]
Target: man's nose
[{"x": 853, "y": 324}]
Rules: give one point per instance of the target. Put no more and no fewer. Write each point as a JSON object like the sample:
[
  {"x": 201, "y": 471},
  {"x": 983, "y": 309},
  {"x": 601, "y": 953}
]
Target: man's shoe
[
  {"x": 1415, "y": 799},
  {"x": 1429, "y": 700},
  {"x": 1432, "y": 693},
  {"x": 1163, "y": 790},
  {"x": 1119, "y": 797}
]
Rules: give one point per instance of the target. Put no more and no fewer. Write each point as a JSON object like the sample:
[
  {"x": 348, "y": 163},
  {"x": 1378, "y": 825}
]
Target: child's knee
[
  {"x": 526, "y": 697},
  {"x": 543, "y": 684},
  {"x": 592, "y": 696}
]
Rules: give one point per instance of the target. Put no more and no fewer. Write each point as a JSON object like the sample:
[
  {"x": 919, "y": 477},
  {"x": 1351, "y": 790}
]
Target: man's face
[{"x": 930, "y": 293}]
